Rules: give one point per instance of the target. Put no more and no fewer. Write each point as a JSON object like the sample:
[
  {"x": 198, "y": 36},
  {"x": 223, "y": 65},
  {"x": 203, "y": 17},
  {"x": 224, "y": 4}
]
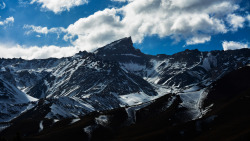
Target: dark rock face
[
  {"x": 232, "y": 86},
  {"x": 122, "y": 51}
]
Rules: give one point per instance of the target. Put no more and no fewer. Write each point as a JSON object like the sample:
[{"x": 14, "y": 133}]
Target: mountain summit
[
  {"x": 122, "y": 51},
  {"x": 123, "y": 45}
]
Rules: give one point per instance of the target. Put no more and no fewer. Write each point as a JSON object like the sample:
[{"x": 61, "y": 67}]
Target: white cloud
[
  {"x": 193, "y": 21},
  {"x": 7, "y": 21},
  {"x": 119, "y": 0},
  {"x": 235, "y": 21},
  {"x": 122, "y": 0},
  {"x": 43, "y": 30},
  {"x": 178, "y": 19},
  {"x": 57, "y": 6},
  {"x": 97, "y": 30},
  {"x": 31, "y": 52},
  {"x": 231, "y": 45},
  {"x": 2, "y": 4},
  {"x": 198, "y": 40},
  {"x": 248, "y": 19}
]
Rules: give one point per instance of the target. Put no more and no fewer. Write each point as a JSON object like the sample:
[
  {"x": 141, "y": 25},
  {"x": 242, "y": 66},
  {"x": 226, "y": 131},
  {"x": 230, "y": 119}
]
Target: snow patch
[
  {"x": 89, "y": 130},
  {"x": 191, "y": 100},
  {"x": 139, "y": 98},
  {"x": 135, "y": 98},
  {"x": 55, "y": 120},
  {"x": 131, "y": 111},
  {"x": 209, "y": 62},
  {"x": 4, "y": 126},
  {"x": 2, "y": 69},
  {"x": 102, "y": 120},
  {"x": 204, "y": 111},
  {"x": 32, "y": 99},
  {"x": 40, "y": 126},
  {"x": 75, "y": 120}
]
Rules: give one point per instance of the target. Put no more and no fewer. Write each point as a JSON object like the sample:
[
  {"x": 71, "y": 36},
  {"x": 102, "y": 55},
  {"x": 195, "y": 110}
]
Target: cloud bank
[
  {"x": 231, "y": 45},
  {"x": 16, "y": 51},
  {"x": 57, "y": 6},
  {"x": 194, "y": 21}
]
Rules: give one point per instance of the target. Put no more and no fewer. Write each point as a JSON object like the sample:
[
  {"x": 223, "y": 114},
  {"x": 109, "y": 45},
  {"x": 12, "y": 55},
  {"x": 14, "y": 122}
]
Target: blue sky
[{"x": 57, "y": 28}]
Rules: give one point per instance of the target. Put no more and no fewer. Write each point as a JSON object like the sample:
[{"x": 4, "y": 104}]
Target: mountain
[
  {"x": 93, "y": 88},
  {"x": 177, "y": 70},
  {"x": 89, "y": 81},
  {"x": 87, "y": 75}
]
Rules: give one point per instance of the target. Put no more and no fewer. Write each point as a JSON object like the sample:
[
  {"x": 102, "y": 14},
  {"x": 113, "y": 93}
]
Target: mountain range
[{"x": 117, "y": 91}]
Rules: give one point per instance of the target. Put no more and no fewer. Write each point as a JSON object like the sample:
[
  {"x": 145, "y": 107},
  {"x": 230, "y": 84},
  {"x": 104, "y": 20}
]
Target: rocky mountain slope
[
  {"x": 227, "y": 118},
  {"x": 13, "y": 101}
]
